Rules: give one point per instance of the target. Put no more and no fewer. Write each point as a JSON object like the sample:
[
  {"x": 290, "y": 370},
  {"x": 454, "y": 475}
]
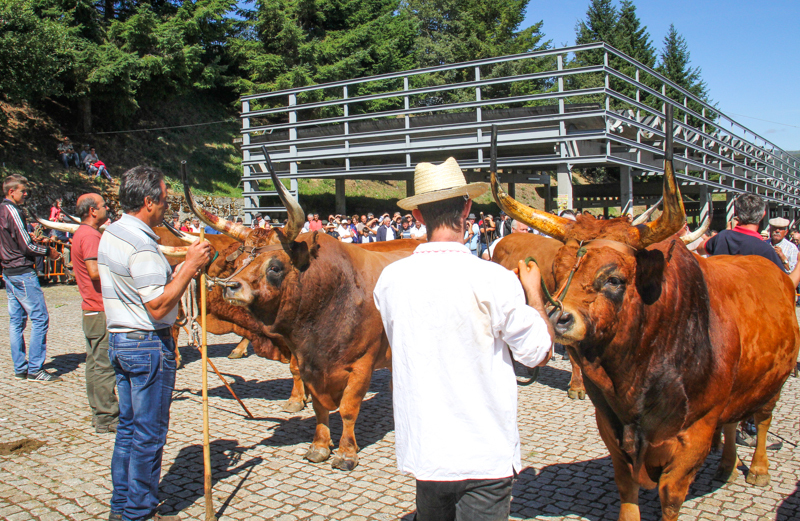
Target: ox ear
[
  {"x": 650, "y": 266},
  {"x": 300, "y": 254}
]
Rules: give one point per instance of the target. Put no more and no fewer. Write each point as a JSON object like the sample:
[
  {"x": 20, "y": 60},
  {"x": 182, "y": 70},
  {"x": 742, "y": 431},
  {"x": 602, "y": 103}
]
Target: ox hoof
[
  {"x": 234, "y": 355},
  {"x": 726, "y": 475},
  {"x": 317, "y": 454},
  {"x": 346, "y": 463},
  {"x": 579, "y": 394},
  {"x": 759, "y": 480},
  {"x": 293, "y": 406}
]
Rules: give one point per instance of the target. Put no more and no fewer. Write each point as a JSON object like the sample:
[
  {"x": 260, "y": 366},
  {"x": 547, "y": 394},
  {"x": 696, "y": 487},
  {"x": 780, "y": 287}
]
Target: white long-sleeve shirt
[{"x": 448, "y": 316}]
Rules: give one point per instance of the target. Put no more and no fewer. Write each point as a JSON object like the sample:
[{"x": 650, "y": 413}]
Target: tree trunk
[
  {"x": 86, "y": 113},
  {"x": 108, "y": 12}
]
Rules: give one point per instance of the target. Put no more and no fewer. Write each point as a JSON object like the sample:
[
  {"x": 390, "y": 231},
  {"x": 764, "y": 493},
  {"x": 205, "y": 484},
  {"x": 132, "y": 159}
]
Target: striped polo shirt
[{"x": 133, "y": 271}]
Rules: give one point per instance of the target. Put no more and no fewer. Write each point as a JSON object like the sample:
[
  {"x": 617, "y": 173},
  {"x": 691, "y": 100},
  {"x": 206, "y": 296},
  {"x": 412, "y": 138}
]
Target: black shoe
[
  {"x": 21, "y": 376},
  {"x": 43, "y": 376},
  {"x": 746, "y": 440},
  {"x": 115, "y": 516}
]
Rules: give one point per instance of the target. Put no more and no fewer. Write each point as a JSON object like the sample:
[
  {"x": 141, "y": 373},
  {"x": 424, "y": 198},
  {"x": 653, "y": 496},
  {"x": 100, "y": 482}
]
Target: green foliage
[
  {"x": 33, "y": 52},
  {"x": 675, "y": 66},
  {"x": 452, "y": 31}
]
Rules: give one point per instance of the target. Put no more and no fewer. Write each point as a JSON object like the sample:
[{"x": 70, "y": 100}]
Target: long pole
[{"x": 204, "y": 355}]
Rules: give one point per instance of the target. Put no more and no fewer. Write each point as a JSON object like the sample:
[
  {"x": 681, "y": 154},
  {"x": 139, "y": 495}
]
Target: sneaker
[
  {"x": 746, "y": 440},
  {"x": 43, "y": 376},
  {"x": 21, "y": 376}
]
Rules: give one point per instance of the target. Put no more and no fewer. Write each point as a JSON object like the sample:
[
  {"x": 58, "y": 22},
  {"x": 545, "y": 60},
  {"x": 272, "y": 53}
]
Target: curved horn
[
  {"x": 296, "y": 215},
  {"x": 646, "y": 215},
  {"x": 173, "y": 251},
  {"x": 552, "y": 225},
  {"x": 61, "y": 227},
  {"x": 185, "y": 237},
  {"x": 693, "y": 236},
  {"x": 234, "y": 230},
  {"x": 673, "y": 217},
  {"x": 72, "y": 218}
]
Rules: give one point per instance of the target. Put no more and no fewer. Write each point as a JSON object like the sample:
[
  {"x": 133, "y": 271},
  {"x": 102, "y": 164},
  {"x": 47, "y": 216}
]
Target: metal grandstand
[{"x": 552, "y": 119}]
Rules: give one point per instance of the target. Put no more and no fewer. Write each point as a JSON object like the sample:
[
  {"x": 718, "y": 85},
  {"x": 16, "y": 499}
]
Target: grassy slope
[{"x": 28, "y": 140}]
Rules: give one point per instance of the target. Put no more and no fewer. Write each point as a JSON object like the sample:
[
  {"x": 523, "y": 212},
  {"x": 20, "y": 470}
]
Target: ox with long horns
[
  {"x": 666, "y": 342},
  {"x": 311, "y": 295}
]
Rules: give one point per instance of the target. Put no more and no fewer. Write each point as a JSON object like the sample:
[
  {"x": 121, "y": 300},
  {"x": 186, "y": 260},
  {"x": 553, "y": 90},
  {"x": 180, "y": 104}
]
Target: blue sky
[{"x": 749, "y": 53}]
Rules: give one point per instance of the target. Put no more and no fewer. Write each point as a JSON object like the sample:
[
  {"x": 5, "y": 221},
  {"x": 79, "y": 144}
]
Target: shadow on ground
[
  {"x": 789, "y": 509},
  {"x": 185, "y": 475},
  {"x": 587, "y": 489},
  {"x": 64, "y": 364}
]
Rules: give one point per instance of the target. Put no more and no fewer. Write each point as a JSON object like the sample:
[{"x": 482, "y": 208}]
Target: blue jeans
[
  {"x": 66, "y": 158},
  {"x": 26, "y": 300},
  {"x": 145, "y": 370}
]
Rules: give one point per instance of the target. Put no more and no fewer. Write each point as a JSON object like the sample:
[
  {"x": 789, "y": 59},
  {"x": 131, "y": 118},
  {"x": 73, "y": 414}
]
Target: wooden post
[{"x": 204, "y": 356}]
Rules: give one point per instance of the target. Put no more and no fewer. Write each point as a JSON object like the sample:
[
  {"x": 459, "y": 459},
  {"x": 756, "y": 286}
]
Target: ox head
[
  {"x": 259, "y": 266},
  {"x": 606, "y": 271}
]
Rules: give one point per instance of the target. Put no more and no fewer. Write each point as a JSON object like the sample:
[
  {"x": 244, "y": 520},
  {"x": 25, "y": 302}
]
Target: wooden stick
[
  {"x": 204, "y": 355},
  {"x": 225, "y": 382}
]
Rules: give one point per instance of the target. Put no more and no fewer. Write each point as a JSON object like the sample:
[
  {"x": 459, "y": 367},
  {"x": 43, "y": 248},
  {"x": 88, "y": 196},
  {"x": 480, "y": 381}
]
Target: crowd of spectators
[{"x": 87, "y": 160}]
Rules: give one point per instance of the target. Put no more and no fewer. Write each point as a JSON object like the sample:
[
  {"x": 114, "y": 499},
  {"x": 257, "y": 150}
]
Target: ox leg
[
  {"x": 346, "y": 457},
  {"x": 320, "y": 449},
  {"x": 729, "y": 461},
  {"x": 296, "y": 401},
  {"x": 576, "y": 388},
  {"x": 240, "y": 351},
  {"x": 176, "y": 331},
  {"x": 758, "y": 474},
  {"x": 626, "y": 484},
  {"x": 688, "y": 457}
]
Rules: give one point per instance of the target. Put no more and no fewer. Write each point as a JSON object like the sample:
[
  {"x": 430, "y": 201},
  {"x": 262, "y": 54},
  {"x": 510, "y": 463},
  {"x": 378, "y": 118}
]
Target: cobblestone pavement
[{"x": 259, "y": 472}]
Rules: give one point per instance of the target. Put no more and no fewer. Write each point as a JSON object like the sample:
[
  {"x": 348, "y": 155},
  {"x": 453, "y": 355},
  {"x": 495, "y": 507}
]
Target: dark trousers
[
  {"x": 468, "y": 500},
  {"x": 145, "y": 368},
  {"x": 100, "y": 377}
]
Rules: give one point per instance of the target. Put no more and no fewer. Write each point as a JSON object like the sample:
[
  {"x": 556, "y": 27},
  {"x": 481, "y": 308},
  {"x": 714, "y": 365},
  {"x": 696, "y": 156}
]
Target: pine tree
[
  {"x": 675, "y": 66},
  {"x": 632, "y": 38},
  {"x": 294, "y": 43},
  {"x": 453, "y": 31}
]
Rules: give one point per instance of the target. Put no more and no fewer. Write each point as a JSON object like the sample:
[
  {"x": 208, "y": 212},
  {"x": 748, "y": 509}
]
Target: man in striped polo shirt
[{"x": 140, "y": 297}]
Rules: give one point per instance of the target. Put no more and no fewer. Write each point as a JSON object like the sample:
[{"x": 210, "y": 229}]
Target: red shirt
[
  {"x": 84, "y": 247},
  {"x": 314, "y": 226}
]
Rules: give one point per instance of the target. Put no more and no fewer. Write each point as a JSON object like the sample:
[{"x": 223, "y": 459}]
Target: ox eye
[
  {"x": 614, "y": 281},
  {"x": 274, "y": 269}
]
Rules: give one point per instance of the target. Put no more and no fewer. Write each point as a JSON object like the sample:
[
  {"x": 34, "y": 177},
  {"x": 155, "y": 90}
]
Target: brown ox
[
  {"x": 519, "y": 246},
  {"x": 312, "y": 296},
  {"x": 223, "y": 318},
  {"x": 667, "y": 343}
]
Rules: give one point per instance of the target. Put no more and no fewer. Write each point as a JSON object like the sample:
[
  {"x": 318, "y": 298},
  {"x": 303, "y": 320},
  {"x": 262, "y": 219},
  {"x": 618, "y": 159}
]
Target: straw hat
[{"x": 439, "y": 182}]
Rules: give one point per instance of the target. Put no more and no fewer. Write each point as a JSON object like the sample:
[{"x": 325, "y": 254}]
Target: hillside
[{"x": 29, "y": 137}]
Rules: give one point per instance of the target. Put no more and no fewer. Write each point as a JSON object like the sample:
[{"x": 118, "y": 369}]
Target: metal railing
[{"x": 552, "y": 116}]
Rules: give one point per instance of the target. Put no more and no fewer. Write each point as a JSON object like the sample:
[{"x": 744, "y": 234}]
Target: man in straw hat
[{"x": 455, "y": 394}]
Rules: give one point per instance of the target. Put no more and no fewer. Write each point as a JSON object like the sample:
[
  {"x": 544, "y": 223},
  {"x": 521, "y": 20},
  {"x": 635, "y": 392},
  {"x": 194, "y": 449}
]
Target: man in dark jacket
[{"x": 25, "y": 297}]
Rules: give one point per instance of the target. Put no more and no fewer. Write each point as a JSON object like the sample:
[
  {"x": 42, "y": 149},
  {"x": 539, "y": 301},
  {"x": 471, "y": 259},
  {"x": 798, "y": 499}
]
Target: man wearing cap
[
  {"x": 786, "y": 251},
  {"x": 472, "y": 235},
  {"x": 453, "y": 328}
]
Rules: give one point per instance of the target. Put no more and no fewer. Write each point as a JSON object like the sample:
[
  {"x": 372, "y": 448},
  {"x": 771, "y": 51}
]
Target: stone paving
[{"x": 259, "y": 472}]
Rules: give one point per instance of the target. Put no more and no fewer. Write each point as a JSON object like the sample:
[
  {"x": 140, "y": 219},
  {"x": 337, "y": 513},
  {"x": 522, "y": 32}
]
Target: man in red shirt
[{"x": 100, "y": 378}]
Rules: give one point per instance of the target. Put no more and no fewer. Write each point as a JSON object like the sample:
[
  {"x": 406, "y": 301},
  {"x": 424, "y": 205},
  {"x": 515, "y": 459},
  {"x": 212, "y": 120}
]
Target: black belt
[{"x": 148, "y": 335}]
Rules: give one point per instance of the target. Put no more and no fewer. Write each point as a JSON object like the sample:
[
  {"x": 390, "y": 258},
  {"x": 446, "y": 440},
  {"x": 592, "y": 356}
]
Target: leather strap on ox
[
  {"x": 252, "y": 253},
  {"x": 556, "y": 303}
]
